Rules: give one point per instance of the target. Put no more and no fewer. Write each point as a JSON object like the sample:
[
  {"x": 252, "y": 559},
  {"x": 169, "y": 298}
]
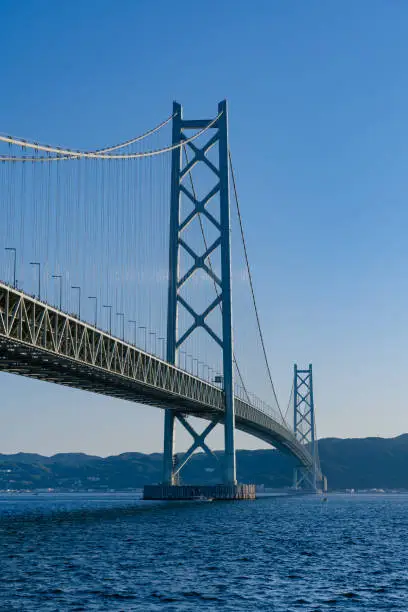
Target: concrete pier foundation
[{"x": 180, "y": 492}]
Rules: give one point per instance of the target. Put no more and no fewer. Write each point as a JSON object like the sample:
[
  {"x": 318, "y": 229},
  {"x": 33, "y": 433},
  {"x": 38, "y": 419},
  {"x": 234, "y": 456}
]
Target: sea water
[{"x": 115, "y": 552}]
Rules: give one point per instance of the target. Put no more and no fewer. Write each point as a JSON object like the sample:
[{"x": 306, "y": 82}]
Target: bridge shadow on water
[{"x": 14, "y": 512}]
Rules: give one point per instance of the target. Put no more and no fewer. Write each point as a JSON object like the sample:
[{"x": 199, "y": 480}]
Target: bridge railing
[{"x": 255, "y": 401}]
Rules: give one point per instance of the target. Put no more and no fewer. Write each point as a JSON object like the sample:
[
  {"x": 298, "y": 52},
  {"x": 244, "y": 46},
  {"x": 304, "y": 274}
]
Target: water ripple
[{"x": 114, "y": 553}]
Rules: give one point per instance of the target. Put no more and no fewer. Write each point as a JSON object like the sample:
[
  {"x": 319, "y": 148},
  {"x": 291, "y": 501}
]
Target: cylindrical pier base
[{"x": 199, "y": 492}]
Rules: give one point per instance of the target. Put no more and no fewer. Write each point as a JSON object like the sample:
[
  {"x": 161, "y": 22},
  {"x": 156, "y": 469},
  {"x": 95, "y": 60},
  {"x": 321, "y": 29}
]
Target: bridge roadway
[{"x": 42, "y": 342}]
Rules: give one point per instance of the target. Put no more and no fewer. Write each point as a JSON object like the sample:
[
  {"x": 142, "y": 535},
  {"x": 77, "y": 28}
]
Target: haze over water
[{"x": 110, "y": 552}]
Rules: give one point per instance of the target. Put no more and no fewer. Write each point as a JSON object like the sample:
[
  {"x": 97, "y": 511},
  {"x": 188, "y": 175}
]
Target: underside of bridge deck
[{"x": 35, "y": 362}]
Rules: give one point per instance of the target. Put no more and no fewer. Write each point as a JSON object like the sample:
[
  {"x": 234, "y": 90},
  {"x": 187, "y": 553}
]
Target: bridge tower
[
  {"x": 182, "y": 184},
  {"x": 304, "y": 428}
]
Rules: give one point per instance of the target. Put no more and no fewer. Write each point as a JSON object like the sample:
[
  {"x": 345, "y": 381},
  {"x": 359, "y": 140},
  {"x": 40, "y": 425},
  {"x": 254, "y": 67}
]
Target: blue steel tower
[
  {"x": 218, "y": 135},
  {"x": 304, "y": 427}
]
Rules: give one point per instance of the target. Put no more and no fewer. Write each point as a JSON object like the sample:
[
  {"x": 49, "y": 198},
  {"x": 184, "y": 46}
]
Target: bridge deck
[{"x": 40, "y": 341}]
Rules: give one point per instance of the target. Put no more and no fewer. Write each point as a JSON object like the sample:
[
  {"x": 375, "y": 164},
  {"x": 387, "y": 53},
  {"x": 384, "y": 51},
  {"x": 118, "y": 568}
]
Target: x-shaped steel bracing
[
  {"x": 199, "y": 261},
  {"x": 303, "y": 409},
  {"x": 199, "y": 442},
  {"x": 304, "y": 415}
]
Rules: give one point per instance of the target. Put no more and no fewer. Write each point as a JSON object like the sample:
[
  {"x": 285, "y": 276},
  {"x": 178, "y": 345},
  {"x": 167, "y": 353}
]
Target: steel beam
[{"x": 227, "y": 339}]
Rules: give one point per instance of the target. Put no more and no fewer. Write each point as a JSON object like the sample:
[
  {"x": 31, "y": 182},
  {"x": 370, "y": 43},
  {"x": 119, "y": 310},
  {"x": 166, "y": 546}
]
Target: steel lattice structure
[
  {"x": 223, "y": 298},
  {"x": 305, "y": 428},
  {"x": 42, "y": 342}
]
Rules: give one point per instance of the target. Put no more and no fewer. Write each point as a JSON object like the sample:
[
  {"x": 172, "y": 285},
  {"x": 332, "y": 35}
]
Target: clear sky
[{"x": 318, "y": 97}]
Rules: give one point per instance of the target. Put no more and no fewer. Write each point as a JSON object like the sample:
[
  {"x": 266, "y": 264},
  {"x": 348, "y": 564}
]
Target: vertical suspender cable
[{"x": 252, "y": 287}]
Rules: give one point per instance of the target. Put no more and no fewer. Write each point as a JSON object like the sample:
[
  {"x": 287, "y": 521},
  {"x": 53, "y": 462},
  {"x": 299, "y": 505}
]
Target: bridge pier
[
  {"x": 199, "y": 492},
  {"x": 171, "y": 489}
]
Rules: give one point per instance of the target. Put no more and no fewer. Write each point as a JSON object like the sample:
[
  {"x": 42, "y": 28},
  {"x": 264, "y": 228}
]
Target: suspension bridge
[{"x": 117, "y": 279}]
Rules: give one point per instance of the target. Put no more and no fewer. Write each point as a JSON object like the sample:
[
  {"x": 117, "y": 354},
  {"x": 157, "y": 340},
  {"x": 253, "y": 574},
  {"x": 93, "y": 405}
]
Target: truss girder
[{"x": 39, "y": 341}]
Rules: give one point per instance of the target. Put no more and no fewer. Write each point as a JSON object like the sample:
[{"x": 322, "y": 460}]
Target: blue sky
[{"x": 318, "y": 100}]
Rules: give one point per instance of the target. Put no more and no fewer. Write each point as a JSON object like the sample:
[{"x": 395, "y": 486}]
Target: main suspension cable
[
  {"x": 127, "y": 143},
  {"x": 252, "y": 287},
  {"x": 290, "y": 400},
  {"x": 120, "y": 145},
  {"x": 64, "y": 154}
]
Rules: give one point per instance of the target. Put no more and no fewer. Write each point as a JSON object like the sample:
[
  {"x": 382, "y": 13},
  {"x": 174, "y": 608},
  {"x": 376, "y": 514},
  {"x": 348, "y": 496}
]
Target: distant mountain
[
  {"x": 366, "y": 463},
  {"x": 351, "y": 463}
]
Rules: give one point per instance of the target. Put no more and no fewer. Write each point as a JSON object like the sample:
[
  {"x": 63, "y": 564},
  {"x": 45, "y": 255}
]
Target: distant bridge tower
[
  {"x": 181, "y": 171},
  {"x": 304, "y": 428}
]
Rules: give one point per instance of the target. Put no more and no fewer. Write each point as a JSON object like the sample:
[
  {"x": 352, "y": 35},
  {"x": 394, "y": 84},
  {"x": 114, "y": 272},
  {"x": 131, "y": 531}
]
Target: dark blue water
[{"x": 71, "y": 552}]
